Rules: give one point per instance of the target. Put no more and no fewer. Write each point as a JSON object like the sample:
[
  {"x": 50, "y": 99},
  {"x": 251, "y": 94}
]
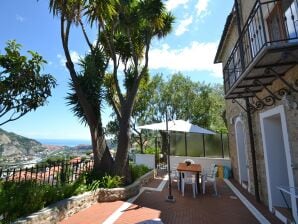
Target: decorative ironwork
[
  {"x": 279, "y": 76},
  {"x": 261, "y": 103}
]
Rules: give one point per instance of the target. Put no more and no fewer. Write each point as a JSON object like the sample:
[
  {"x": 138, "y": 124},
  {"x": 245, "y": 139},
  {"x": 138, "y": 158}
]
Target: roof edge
[{"x": 223, "y": 36}]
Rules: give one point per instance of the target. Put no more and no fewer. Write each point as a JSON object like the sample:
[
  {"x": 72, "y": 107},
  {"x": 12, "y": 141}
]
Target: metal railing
[
  {"x": 270, "y": 23},
  {"x": 53, "y": 173}
]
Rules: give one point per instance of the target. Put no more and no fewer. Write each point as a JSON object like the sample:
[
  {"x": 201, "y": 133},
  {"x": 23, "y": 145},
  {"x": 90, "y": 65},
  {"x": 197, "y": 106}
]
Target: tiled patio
[{"x": 151, "y": 207}]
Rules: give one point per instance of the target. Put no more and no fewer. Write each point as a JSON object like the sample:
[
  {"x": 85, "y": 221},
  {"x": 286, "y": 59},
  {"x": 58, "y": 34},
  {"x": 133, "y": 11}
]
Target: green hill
[{"x": 13, "y": 145}]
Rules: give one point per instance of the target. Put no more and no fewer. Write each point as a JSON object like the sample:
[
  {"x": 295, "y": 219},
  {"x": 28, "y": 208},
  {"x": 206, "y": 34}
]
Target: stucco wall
[{"x": 145, "y": 159}]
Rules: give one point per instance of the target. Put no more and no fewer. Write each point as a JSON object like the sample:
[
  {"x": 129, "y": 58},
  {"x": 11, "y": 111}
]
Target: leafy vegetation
[
  {"x": 26, "y": 197},
  {"x": 138, "y": 171},
  {"x": 23, "y": 198},
  {"x": 22, "y": 86},
  {"x": 200, "y": 103}
]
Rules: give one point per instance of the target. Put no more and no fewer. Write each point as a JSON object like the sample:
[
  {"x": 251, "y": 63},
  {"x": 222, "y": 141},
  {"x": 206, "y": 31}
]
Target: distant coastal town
[{"x": 19, "y": 151}]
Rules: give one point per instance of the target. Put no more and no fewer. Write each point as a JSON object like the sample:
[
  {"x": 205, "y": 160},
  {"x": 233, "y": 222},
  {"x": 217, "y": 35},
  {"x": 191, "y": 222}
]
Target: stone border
[{"x": 67, "y": 207}]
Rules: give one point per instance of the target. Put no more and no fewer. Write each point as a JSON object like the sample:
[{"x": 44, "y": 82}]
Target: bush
[
  {"x": 23, "y": 198},
  {"x": 150, "y": 151},
  {"x": 106, "y": 181},
  {"x": 18, "y": 199},
  {"x": 138, "y": 171}
]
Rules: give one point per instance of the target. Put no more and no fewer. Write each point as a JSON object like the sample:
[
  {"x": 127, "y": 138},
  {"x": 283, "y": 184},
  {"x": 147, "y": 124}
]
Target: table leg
[{"x": 180, "y": 179}]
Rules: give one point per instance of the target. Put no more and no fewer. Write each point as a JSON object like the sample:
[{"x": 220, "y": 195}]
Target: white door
[
  {"x": 277, "y": 157},
  {"x": 242, "y": 154}
]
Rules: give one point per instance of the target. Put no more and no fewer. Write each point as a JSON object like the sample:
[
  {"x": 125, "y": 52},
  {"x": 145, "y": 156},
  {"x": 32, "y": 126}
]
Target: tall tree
[
  {"x": 127, "y": 38},
  {"x": 124, "y": 33},
  {"x": 23, "y": 87},
  {"x": 86, "y": 104},
  {"x": 200, "y": 103}
]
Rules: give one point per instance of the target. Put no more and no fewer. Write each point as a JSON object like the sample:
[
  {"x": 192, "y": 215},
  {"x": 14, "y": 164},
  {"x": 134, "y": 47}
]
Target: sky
[{"x": 189, "y": 49}]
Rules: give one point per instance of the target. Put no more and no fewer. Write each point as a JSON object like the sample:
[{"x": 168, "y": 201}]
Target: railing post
[
  {"x": 262, "y": 20},
  {"x": 240, "y": 38}
]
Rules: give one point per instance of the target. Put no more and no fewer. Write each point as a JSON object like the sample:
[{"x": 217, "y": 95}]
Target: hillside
[{"x": 13, "y": 145}]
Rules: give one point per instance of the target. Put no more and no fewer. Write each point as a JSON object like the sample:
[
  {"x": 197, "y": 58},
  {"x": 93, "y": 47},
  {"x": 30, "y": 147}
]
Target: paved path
[{"x": 150, "y": 207}]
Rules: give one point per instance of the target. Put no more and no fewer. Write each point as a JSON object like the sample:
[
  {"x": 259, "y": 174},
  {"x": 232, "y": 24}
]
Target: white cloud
[
  {"x": 172, "y": 4},
  {"x": 74, "y": 56},
  {"x": 195, "y": 57},
  {"x": 183, "y": 26},
  {"x": 201, "y": 7},
  {"x": 20, "y": 18}
]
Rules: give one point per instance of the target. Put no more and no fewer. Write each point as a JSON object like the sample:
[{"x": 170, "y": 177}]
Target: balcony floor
[{"x": 151, "y": 207}]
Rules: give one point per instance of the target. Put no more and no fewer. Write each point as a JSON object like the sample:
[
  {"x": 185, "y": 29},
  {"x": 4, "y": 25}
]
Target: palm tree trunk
[
  {"x": 121, "y": 166},
  {"x": 102, "y": 158}
]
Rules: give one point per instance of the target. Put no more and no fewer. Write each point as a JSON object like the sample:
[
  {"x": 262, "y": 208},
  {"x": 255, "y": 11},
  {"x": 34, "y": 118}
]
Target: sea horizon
[{"x": 64, "y": 142}]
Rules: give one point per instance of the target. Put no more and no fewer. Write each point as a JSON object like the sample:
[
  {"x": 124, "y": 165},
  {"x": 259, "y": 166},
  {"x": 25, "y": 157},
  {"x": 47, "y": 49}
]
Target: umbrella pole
[
  {"x": 185, "y": 143},
  {"x": 170, "y": 197}
]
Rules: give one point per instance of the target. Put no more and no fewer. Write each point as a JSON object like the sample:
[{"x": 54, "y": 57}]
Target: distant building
[{"x": 259, "y": 54}]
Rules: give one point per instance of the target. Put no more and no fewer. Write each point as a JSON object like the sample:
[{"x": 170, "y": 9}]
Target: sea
[{"x": 64, "y": 142}]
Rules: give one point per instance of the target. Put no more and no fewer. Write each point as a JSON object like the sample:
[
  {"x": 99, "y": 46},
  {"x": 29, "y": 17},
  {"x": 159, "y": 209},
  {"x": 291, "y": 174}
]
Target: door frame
[
  {"x": 279, "y": 110},
  {"x": 239, "y": 120}
]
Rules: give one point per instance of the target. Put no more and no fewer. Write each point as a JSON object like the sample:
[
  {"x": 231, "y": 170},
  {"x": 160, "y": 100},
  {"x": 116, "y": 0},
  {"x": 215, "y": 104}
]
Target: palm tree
[
  {"x": 125, "y": 31},
  {"x": 127, "y": 38},
  {"x": 86, "y": 86}
]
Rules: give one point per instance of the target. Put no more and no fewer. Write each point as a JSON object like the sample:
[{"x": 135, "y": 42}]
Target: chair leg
[
  {"x": 194, "y": 190},
  {"x": 203, "y": 185},
  {"x": 182, "y": 187},
  {"x": 214, "y": 186}
]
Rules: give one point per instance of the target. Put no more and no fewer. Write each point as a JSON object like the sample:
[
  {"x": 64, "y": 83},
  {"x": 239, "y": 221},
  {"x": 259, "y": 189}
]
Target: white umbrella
[{"x": 178, "y": 125}]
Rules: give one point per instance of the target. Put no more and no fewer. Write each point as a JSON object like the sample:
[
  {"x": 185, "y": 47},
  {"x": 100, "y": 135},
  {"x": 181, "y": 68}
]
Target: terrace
[{"x": 150, "y": 206}]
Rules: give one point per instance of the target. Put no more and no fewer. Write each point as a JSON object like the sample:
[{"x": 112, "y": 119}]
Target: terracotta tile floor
[{"x": 151, "y": 205}]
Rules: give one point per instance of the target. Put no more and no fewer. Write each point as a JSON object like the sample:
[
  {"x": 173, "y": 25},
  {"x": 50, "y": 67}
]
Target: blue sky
[{"x": 190, "y": 49}]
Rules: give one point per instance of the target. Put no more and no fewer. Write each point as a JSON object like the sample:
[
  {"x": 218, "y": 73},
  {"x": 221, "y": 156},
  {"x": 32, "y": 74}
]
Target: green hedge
[
  {"x": 19, "y": 199},
  {"x": 138, "y": 171}
]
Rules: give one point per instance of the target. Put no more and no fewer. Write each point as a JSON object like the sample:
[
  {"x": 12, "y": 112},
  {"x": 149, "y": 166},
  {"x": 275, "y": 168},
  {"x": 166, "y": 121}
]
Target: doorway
[
  {"x": 242, "y": 154},
  {"x": 277, "y": 157}
]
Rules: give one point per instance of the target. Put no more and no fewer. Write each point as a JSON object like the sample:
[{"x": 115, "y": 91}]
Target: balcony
[{"x": 266, "y": 48}]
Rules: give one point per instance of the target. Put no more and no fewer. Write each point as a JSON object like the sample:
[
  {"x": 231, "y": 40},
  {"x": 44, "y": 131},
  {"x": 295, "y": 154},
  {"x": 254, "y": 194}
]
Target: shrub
[
  {"x": 105, "y": 181},
  {"x": 18, "y": 199},
  {"x": 150, "y": 151},
  {"x": 138, "y": 171}
]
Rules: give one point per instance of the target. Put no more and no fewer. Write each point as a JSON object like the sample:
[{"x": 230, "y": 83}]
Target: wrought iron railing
[
  {"x": 54, "y": 173},
  {"x": 271, "y": 23}
]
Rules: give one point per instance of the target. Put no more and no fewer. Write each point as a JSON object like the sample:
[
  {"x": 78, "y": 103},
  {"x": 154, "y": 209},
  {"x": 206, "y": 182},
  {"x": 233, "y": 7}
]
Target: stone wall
[
  {"x": 67, "y": 207},
  {"x": 234, "y": 111}
]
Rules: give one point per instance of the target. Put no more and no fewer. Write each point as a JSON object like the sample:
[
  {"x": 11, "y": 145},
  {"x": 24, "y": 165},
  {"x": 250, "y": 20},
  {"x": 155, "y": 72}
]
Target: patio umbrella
[{"x": 179, "y": 126}]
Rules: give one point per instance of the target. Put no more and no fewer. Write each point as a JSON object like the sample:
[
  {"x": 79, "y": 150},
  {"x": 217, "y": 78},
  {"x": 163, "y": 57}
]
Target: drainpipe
[{"x": 253, "y": 151}]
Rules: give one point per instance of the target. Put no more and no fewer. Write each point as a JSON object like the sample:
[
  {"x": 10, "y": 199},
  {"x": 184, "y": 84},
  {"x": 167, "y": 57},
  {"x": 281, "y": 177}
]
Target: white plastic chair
[
  {"x": 210, "y": 177},
  {"x": 189, "y": 178},
  {"x": 175, "y": 177}
]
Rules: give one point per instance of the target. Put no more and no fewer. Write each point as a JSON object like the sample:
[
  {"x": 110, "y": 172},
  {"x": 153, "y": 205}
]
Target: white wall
[
  {"x": 203, "y": 161},
  {"x": 145, "y": 159}
]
